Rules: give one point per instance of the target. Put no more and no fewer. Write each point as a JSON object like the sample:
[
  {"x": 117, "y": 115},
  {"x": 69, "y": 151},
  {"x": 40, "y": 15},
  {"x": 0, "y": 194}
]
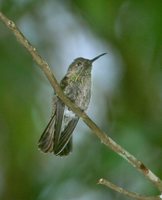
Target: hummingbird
[{"x": 76, "y": 85}]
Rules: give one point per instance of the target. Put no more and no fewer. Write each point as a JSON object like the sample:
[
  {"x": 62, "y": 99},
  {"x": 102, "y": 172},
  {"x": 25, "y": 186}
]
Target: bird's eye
[{"x": 79, "y": 64}]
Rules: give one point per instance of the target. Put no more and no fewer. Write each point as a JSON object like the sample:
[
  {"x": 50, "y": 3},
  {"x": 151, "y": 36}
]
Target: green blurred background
[{"x": 126, "y": 96}]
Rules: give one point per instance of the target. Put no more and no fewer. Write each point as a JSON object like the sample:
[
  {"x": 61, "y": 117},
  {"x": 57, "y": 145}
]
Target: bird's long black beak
[{"x": 92, "y": 60}]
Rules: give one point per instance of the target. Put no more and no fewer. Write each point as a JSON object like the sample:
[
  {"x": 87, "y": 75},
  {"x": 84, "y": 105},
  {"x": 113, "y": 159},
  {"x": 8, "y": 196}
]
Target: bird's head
[{"x": 82, "y": 66}]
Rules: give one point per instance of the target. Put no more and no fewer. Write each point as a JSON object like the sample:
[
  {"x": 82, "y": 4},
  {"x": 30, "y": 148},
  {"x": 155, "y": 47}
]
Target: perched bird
[{"x": 76, "y": 85}]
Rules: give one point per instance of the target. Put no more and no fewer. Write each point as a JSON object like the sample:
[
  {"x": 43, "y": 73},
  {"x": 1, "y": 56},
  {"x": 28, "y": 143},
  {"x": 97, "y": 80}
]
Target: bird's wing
[
  {"x": 63, "y": 147},
  {"x": 56, "y": 138},
  {"x": 60, "y": 106},
  {"x": 50, "y": 137},
  {"x": 67, "y": 149}
]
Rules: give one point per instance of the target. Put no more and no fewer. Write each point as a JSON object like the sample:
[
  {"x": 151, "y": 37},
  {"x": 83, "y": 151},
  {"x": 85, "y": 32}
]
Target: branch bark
[{"x": 96, "y": 130}]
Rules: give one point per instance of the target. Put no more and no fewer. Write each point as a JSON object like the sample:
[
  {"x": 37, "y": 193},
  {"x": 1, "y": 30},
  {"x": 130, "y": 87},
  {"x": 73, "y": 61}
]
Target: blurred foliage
[{"x": 133, "y": 29}]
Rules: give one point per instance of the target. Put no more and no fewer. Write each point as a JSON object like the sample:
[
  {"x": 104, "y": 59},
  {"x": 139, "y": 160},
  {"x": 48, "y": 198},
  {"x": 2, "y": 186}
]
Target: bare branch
[
  {"x": 96, "y": 130},
  {"x": 132, "y": 195}
]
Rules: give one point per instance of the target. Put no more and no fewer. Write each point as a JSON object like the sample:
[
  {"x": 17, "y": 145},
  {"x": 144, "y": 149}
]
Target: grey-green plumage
[{"x": 76, "y": 85}]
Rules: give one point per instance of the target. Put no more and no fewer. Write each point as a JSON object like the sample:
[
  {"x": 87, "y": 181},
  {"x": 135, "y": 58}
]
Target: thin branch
[
  {"x": 96, "y": 130},
  {"x": 132, "y": 195}
]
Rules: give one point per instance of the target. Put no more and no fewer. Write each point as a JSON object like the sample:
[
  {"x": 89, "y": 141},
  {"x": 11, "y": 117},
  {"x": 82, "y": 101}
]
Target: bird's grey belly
[
  {"x": 83, "y": 99},
  {"x": 79, "y": 95}
]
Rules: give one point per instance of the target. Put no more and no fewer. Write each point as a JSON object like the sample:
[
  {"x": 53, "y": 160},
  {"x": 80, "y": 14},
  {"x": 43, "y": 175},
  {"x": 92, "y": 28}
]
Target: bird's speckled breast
[{"x": 79, "y": 92}]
